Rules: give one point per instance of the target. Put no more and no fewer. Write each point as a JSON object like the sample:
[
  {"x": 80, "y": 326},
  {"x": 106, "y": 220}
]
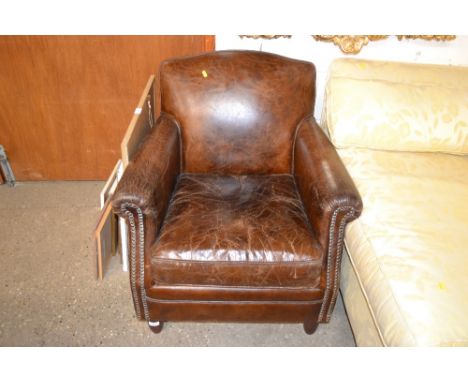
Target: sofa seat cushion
[
  {"x": 409, "y": 249},
  {"x": 238, "y": 231}
]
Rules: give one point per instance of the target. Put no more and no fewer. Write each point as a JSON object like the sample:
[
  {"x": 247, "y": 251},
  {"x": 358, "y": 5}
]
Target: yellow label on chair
[{"x": 204, "y": 73}]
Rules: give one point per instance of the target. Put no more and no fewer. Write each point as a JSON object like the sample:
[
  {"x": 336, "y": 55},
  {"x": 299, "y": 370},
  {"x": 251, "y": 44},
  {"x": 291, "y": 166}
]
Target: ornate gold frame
[
  {"x": 349, "y": 44},
  {"x": 353, "y": 44},
  {"x": 428, "y": 37}
]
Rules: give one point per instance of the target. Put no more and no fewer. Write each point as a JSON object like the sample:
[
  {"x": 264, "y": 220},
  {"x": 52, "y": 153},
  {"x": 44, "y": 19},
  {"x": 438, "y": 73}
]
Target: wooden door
[{"x": 66, "y": 101}]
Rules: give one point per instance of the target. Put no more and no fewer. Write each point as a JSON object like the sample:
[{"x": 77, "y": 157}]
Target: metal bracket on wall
[{"x": 6, "y": 168}]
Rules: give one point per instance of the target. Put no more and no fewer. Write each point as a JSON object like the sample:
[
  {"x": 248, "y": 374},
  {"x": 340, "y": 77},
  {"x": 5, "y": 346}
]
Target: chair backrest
[{"x": 238, "y": 110}]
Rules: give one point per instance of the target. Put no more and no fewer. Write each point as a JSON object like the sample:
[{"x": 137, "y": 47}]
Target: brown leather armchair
[{"x": 236, "y": 202}]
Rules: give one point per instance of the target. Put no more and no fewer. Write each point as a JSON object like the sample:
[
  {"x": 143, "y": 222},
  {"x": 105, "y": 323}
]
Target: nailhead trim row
[
  {"x": 328, "y": 301},
  {"x": 339, "y": 253},
  {"x": 133, "y": 259},
  {"x": 142, "y": 263}
]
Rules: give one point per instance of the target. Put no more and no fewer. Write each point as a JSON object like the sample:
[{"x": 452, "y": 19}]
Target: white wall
[{"x": 321, "y": 53}]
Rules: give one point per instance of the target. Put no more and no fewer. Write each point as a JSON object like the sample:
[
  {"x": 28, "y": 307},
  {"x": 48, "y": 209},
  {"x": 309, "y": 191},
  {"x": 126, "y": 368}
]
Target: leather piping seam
[
  {"x": 211, "y": 174},
  {"x": 292, "y": 289},
  {"x": 168, "y": 210},
  {"x": 307, "y": 118},
  {"x": 181, "y": 146},
  {"x": 240, "y": 262},
  {"x": 235, "y": 302},
  {"x": 133, "y": 259},
  {"x": 339, "y": 253},
  {"x": 296, "y": 132},
  {"x": 227, "y": 288},
  {"x": 306, "y": 217},
  {"x": 330, "y": 251},
  {"x": 174, "y": 120}
]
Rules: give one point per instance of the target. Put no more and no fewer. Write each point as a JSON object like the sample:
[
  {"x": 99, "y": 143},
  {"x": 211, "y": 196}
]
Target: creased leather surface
[
  {"x": 237, "y": 230},
  {"x": 410, "y": 245},
  {"x": 149, "y": 179},
  {"x": 238, "y": 110},
  {"x": 322, "y": 180}
]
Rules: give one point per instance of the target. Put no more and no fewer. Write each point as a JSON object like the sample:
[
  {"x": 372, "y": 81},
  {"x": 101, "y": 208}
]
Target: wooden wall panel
[{"x": 66, "y": 101}]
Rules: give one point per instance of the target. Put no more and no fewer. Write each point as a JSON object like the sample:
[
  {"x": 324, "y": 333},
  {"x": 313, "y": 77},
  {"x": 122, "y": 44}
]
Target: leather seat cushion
[{"x": 248, "y": 230}]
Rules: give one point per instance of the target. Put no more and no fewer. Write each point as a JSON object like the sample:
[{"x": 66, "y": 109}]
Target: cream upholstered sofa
[{"x": 402, "y": 132}]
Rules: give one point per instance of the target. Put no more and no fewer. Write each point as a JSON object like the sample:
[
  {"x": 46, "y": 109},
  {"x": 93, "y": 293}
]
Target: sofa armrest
[{"x": 330, "y": 198}]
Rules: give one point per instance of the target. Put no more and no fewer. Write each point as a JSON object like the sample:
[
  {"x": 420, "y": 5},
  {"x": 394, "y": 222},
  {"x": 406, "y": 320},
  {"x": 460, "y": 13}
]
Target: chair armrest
[
  {"x": 330, "y": 199},
  {"x": 150, "y": 177},
  {"x": 322, "y": 180},
  {"x": 142, "y": 198}
]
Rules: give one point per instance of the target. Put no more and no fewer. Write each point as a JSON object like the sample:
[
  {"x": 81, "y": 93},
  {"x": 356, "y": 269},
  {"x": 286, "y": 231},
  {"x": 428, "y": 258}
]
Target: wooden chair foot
[
  {"x": 310, "y": 326},
  {"x": 156, "y": 326}
]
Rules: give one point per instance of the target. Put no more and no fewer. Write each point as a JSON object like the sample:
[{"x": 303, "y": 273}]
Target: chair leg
[
  {"x": 156, "y": 326},
  {"x": 310, "y": 326}
]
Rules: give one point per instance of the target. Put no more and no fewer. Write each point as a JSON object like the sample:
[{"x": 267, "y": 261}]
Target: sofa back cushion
[
  {"x": 238, "y": 110},
  {"x": 397, "y": 106}
]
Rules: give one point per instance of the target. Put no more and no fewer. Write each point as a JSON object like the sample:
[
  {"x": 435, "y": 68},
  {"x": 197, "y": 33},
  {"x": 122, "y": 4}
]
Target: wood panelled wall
[{"x": 66, "y": 101}]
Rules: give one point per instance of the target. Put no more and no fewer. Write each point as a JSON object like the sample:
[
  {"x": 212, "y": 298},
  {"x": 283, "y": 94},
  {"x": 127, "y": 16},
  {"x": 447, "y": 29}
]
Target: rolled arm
[
  {"x": 330, "y": 198},
  {"x": 150, "y": 177},
  {"x": 142, "y": 197},
  {"x": 322, "y": 180}
]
